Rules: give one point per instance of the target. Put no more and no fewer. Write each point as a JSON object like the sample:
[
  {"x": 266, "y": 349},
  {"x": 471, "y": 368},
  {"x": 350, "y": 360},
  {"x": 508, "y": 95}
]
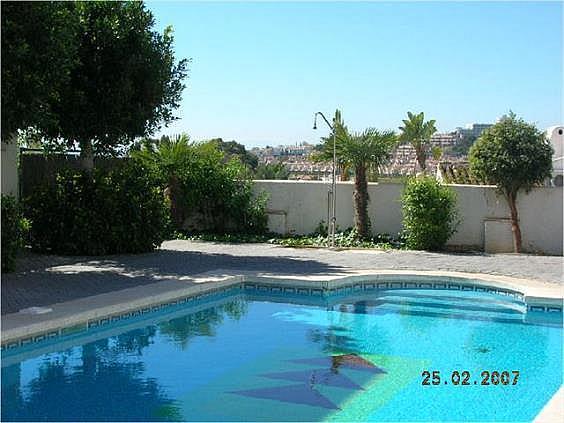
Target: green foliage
[
  {"x": 429, "y": 213},
  {"x": 272, "y": 171},
  {"x": 207, "y": 193},
  {"x": 105, "y": 212},
  {"x": 418, "y": 132},
  {"x": 513, "y": 155},
  {"x": 345, "y": 239},
  {"x": 39, "y": 45},
  {"x": 234, "y": 149},
  {"x": 124, "y": 83},
  {"x": 229, "y": 238},
  {"x": 463, "y": 146},
  {"x": 436, "y": 152},
  {"x": 14, "y": 230}
]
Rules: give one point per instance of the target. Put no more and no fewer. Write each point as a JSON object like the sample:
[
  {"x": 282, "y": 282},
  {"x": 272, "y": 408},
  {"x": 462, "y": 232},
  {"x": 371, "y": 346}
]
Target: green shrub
[
  {"x": 14, "y": 229},
  {"x": 209, "y": 192},
  {"x": 107, "y": 212},
  {"x": 429, "y": 213}
]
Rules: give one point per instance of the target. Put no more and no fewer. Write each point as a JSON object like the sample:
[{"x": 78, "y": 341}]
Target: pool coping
[
  {"x": 538, "y": 295},
  {"x": 553, "y": 410}
]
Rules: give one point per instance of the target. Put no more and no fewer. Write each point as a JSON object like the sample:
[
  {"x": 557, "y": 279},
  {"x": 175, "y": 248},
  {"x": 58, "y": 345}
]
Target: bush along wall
[
  {"x": 14, "y": 230},
  {"x": 115, "y": 211},
  {"x": 209, "y": 192},
  {"x": 429, "y": 210}
]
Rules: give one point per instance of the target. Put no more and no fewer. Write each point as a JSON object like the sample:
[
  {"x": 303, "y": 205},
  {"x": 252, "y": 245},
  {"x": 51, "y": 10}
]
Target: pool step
[{"x": 466, "y": 306}]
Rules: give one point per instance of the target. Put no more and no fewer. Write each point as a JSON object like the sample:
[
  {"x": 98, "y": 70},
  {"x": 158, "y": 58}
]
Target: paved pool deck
[{"x": 43, "y": 280}]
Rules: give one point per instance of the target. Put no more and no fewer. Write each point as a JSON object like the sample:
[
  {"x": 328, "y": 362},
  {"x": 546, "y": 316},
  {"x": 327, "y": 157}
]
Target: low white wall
[
  {"x": 298, "y": 206},
  {"x": 9, "y": 166}
]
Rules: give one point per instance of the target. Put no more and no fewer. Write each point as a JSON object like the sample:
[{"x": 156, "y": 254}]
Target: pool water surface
[{"x": 248, "y": 356}]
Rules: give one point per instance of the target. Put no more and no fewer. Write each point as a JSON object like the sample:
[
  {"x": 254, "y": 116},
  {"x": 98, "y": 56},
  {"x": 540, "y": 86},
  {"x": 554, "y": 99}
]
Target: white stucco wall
[
  {"x": 298, "y": 207},
  {"x": 9, "y": 165}
]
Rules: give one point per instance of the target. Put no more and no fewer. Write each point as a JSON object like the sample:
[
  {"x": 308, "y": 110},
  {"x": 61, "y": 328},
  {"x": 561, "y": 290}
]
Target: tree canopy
[
  {"x": 39, "y": 46},
  {"x": 418, "y": 132},
  {"x": 514, "y": 155},
  {"x": 103, "y": 77},
  {"x": 126, "y": 84},
  {"x": 235, "y": 149}
]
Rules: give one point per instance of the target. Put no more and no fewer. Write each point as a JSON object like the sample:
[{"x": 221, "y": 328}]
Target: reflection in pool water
[{"x": 247, "y": 358}]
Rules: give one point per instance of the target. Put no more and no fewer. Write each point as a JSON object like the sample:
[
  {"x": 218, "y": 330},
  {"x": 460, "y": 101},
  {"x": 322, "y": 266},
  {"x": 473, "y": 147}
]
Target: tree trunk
[
  {"x": 512, "y": 201},
  {"x": 86, "y": 156},
  {"x": 421, "y": 157},
  {"x": 361, "y": 202},
  {"x": 174, "y": 193}
]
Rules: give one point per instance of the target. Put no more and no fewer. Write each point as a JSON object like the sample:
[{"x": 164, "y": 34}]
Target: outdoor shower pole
[{"x": 333, "y": 223}]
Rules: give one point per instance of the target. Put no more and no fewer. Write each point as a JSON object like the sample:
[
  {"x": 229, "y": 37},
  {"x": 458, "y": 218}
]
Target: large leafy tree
[
  {"x": 361, "y": 151},
  {"x": 39, "y": 44},
  {"x": 126, "y": 83},
  {"x": 418, "y": 132},
  {"x": 515, "y": 156}
]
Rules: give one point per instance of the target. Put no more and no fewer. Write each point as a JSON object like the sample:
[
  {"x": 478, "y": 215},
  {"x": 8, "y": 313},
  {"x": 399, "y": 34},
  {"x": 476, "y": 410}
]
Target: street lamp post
[{"x": 333, "y": 222}]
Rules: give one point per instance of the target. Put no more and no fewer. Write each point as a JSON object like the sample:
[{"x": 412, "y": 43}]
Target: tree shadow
[{"x": 43, "y": 280}]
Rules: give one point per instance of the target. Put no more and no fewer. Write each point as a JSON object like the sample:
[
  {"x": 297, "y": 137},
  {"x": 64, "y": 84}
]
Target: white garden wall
[{"x": 298, "y": 206}]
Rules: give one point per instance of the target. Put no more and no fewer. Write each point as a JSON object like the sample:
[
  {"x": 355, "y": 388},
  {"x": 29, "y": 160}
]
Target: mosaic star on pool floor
[{"x": 329, "y": 375}]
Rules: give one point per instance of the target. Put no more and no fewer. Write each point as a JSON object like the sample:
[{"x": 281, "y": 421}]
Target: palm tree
[
  {"x": 165, "y": 157},
  {"x": 418, "y": 132},
  {"x": 361, "y": 151}
]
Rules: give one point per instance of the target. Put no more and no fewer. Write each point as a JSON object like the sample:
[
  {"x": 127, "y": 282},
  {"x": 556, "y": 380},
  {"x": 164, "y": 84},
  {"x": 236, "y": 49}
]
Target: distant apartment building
[
  {"x": 472, "y": 129},
  {"x": 445, "y": 140},
  {"x": 296, "y": 152}
]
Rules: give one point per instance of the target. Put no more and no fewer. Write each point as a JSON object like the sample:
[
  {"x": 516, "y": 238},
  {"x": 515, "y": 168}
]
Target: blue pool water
[{"x": 249, "y": 356}]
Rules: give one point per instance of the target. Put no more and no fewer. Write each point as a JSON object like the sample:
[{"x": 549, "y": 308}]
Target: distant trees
[
  {"x": 514, "y": 155},
  {"x": 103, "y": 75},
  {"x": 418, "y": 132},
  {"x": 233, "y": 148},
  {"x": 272, "y": 171},
  {"x": 369, "y": 149},
  {"x": 463, "y": 146}
]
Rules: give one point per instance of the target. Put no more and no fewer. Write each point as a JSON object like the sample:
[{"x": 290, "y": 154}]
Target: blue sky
[{"x": 260, "y": 70}]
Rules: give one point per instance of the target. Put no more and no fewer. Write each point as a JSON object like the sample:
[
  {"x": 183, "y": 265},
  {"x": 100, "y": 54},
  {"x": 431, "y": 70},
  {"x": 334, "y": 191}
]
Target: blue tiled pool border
[{"x": 317, "y": 291}]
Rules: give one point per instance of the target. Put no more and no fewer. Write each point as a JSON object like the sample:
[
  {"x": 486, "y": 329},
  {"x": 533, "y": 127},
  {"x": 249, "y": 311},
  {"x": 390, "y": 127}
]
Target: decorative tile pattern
[{"x": 318, "y": 290}]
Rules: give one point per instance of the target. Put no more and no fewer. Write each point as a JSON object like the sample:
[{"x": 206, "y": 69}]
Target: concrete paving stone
[{"x": 42, "y": 280}]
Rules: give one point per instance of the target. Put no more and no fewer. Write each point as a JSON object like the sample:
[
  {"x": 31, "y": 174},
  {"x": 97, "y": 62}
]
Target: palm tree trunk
[
  {"x": 515, "y": 228},
  {"x": 360, "y": 196},
  {"x": 421, "y": 158},
  {"x": 86, "y": 156}
]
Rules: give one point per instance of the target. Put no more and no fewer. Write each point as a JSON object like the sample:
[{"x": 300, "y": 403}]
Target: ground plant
[
  {"x": 343, "y": 239},
  {"x": 429, "y": 213},
  {"x": 515, "y": 156},
  {"x": 122, "y": 210},
  {"x": 14, "y": 231}
]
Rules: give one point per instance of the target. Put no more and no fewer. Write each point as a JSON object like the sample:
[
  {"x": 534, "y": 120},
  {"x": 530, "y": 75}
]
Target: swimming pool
[{"x": 250, "y": 354}]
